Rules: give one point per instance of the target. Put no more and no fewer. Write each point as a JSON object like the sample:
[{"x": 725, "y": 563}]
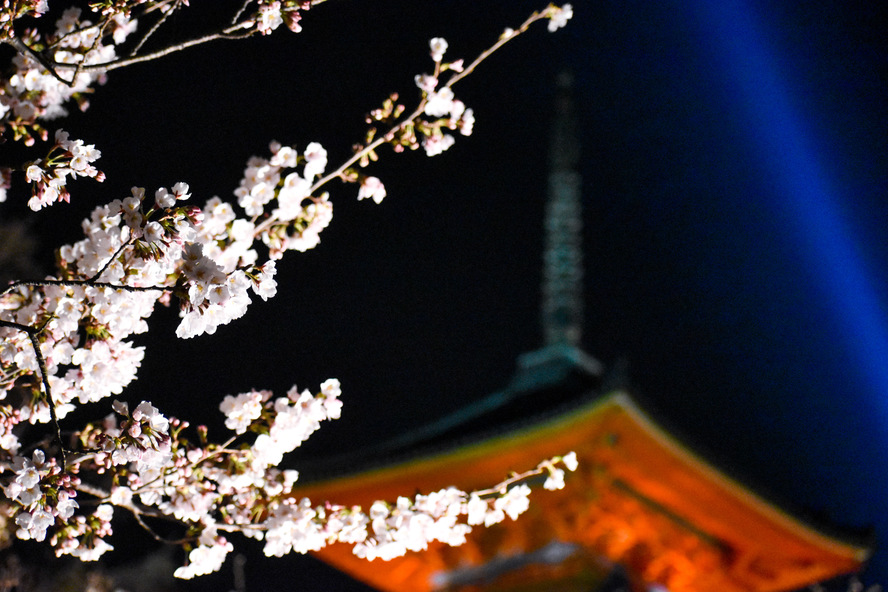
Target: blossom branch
[
  {"x": 237, "y": 30},
  {"x": 111, "y": 260},
  {"x": 507, "y": 36},
  {"x": 157, "y": 25},
  {"x": 139, "y": 513},
  {"x": 95, "y": 44},
  {"x": 33, "y": 334},
  {"x": 231, "y": 32},
  {"x": 25, "y": 49},
  {"x": 398, "y": 129},
  {"x": 86, "y": 282},
  {"x": 206, "y": 258}
]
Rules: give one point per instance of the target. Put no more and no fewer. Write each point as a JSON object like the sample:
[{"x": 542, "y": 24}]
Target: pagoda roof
[{"x": 641, "y": 498}]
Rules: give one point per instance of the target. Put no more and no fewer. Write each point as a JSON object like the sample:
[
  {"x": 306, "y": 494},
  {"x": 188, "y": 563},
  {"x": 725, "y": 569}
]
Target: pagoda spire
[
  {"x": 561, "y": 313},
  {"x": 562, "y": 309}
]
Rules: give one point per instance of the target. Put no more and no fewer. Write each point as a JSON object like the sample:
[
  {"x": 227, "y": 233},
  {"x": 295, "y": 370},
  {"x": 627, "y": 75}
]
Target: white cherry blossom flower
[
  {"x": 373, "y": 188},
  {"x": 555, "y": 480},
  {"x": 241, "y": 410},
  {"x": 315, "y": 160},
  {"x": 205, "y": 559},
  {"x": 438, "y": 46},
  {"x": 152, "y": 233},
  {"x": 467, "y": 122},
  {"x": 164, "y": 199},
  {"x": 33, "y": 525},
  {"x": 514, "y": 502},
  {"x": 435, "y": 145},
  {"x": 440, "y": 103},
  {"x": 558, "y": 17},
  {"x": 426, "y": 82},
  {"x": 148, "y": 412},
  {"x": 477, "y": 510},
  {"x": 570, "y": 461}
]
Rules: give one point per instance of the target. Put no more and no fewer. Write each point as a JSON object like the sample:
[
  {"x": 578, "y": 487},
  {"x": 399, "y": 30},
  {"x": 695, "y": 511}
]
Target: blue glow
[{"x": 810, "y": 202}]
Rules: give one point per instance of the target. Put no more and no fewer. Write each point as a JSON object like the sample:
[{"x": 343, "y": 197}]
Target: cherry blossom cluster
[
  {"x": 271, "y": 14},
  {"x": 157, "y": 472},
  {"x": 34, "y": 93},
  {"x": 42, "y": 493},
  {"x": 236, "y": 487},
  {"x": 558, "y": 16},
  {"x": 11, "y": 12},
  {"x": 385, "y": 531},
  {"x": 83, "y": 536},
  {"x": 136, "y": 248},
  {"x": 141, "y": 439},
  {"x": 298, "y": 218},
  {"x": 48, "y": 176},
  {"x": 67, "y": 340},
  {"x": 441, "y": 103},
  {"x": 61, "y": 65},
  {"x": 448, "y": 515},
  {"x": 439, "y": 110},
  {"x": 139, "y": 251}
]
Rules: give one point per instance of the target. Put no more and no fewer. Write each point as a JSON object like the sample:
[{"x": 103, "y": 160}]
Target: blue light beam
[{"x": 825, "y": 239}]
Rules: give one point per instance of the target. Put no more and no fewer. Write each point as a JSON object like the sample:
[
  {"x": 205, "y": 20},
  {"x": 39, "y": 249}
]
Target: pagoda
[{"x": 643, "y": 512}]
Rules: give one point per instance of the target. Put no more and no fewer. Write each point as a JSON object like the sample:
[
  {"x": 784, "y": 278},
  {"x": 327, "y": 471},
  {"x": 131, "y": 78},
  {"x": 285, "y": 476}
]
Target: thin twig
[
  {"x": 111, "y": 259},
  {"x": 87, "y": 282},
  {"x": 163, "y": 17},
  {"x": 221, "y": 450},
  {"x": 82, "y": 28},
  {"x": 76, "y": 31},
  {"x": 95, "y": 44},
  {"x": 501, "y": 488},
  {"x": 135, "y": 510},
  {"x": 33, "y": 333},
  {"x": 54, "y": 67},
  {"x": 237, "y": 30},
  {"x": 391, "y": 133},
  {"x": 227, "y": 33},
  {"x": 91, "y": 281},
  {"x": 500, "y": 42},
  {"x": 154, "y": 535},
  {"x": 93, "y": 491},
  {"x": 240, "y": 11}
]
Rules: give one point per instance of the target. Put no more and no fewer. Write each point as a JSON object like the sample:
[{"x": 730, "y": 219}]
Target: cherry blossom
[
  {"x": 558, "y": 16},
  {"x": 373, "y": 188},
  {"x": 438, "y": 46},
  {"x": 67, "y": 340},
  {"x": 242, "y": 410},
  {"x": 440, "y": 103},
  {"x": 435, "y": 145}
]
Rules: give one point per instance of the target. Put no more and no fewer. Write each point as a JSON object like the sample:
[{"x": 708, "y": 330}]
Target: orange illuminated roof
[{"x": 639, "y": 499}]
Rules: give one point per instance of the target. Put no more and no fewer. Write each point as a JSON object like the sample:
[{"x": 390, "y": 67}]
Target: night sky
[{"x": 735, "y": 165}]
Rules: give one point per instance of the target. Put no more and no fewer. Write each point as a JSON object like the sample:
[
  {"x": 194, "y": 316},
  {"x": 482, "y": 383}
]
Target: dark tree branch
[
  {"x": 95, "y": 44},
  {"x": 33, "y": 333},
  {"x": 25, "y": 49}
]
